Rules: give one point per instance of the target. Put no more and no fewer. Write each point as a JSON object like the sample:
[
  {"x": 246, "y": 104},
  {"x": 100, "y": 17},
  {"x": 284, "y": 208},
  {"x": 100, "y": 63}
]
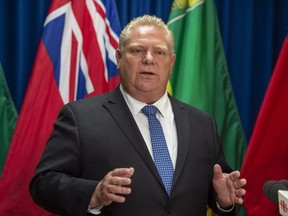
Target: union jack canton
[{"x": 81, "y": 38}]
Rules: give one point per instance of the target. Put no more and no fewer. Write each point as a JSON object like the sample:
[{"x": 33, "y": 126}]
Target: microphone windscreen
[
  {"x": 267, "y": 187},
  {"x": 285, "y": 183},
  {"x": 271, "y": 188}
]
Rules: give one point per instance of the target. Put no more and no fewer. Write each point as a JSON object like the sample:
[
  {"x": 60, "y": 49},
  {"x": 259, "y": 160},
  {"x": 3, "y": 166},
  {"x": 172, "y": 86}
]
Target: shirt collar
[{"x": 136, "y": 106}]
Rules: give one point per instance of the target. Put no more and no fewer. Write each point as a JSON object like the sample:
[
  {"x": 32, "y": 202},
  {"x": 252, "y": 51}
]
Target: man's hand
[
  {"x": 228, "y": 187},
  {"x": 110, "y": 188}
]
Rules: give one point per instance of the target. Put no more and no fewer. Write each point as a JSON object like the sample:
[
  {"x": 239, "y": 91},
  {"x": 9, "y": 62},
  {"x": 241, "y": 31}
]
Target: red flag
[
  {"x": 75, "y": 59},
  {"x": 267, "y": 154}
]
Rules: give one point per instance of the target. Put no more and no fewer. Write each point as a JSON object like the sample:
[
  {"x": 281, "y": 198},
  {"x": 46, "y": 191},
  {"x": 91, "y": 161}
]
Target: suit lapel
[{"x": 182, "y": 124}]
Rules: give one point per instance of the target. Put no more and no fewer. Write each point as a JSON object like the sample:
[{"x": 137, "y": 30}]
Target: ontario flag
[{"x": 75, "y": 59}]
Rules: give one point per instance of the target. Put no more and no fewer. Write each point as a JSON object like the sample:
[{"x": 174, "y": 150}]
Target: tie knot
[{"x": 149, "y": 110}]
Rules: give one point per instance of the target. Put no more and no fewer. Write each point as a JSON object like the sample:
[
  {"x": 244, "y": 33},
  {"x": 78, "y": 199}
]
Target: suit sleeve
[
  {"x": 220, "y": 159},
  {"x": 57, "y": 185}
]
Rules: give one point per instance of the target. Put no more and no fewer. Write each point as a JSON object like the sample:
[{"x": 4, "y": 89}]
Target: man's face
[{"x": 145, "y": 63}]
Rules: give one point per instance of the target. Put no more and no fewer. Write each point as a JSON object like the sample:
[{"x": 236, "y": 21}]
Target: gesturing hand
[
  {"x": 110, "y": 187},
  {"x": 228, "y": 187}
]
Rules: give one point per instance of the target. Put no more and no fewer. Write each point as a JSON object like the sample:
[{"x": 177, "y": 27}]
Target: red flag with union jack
[{"x": 75, "y": 59}]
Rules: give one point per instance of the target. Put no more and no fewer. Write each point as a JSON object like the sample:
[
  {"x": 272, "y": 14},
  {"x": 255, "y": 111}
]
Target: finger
[
  {"x": 240, "y": 192},
  {"x": 113, "y": 194},
  {"x": 123, "y": 172},
  {"x": 120, "y": 181},
  {"x": 234, "y": 175},
  {"x": 116, "y": 198},
  {"x": 217, "y": 171},
  {"x": 239, "y": 183},
  {"x": 113, "y": 189},
  {"x": 242, "y": 182},
  {"x": 239, "y": 200},
  {"x": 112, "y": 177}
]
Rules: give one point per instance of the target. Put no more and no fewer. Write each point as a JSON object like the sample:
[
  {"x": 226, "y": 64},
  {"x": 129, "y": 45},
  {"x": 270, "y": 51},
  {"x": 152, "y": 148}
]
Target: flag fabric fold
[
  {"x": 200, "y": 76},
  {"x": 266, "y": 157},
  {"x": 8, "y": 118},
  {"x": 75, "y": 59}
]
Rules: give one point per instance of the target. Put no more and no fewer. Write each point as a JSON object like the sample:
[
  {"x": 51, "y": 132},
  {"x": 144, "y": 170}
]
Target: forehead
[{"x": 146, "y": 35}]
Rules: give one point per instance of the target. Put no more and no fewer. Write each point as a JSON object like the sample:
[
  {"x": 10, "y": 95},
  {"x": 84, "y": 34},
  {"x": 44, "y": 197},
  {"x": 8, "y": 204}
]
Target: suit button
[
  {"x": 169, "y": 207},
  {"x": 168, "y": 210},
  {"x": 167, "y": 213}
]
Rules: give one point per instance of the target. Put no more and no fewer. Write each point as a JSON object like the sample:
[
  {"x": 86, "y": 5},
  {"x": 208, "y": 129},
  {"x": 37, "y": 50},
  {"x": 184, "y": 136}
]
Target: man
[{"x": 101, "y": 158}]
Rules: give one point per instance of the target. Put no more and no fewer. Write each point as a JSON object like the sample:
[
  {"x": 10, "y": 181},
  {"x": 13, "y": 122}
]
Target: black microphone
[
  {"x": 284, "y": 182},
  {"x": 272, "y": 187}
]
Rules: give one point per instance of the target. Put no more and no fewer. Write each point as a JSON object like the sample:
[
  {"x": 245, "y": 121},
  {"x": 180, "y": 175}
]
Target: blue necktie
[{"x": 161, "y": 154}]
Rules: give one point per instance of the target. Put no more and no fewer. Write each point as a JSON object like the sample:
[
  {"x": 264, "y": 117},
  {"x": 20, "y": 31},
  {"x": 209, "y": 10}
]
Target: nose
[{"x": 148, "y": 58}]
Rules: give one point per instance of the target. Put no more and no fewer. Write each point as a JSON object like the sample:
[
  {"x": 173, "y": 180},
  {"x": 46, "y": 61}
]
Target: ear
[
  {"x": 173, "y": 58},
  {"x": 118, "y": 57}
]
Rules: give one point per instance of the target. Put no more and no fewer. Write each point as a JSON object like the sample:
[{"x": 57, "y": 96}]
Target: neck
[{"x": 145, "y": 97}]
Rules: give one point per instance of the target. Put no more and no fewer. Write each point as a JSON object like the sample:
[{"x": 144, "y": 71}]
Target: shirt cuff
[
  {"x": 225, "y": 210},
  {"x": 95, "y": 211}
]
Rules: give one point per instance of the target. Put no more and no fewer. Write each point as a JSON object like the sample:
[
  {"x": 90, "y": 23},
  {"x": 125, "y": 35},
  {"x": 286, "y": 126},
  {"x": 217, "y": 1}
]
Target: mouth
[{"x": 147, "y": 73}]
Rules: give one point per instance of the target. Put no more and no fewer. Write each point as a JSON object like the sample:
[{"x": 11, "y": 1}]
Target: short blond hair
[{"x": 142, "y": 21}]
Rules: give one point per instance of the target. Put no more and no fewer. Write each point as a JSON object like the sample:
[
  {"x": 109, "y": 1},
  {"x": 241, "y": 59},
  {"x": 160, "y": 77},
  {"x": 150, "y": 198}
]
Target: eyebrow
[{"x": 154, "y": 47}]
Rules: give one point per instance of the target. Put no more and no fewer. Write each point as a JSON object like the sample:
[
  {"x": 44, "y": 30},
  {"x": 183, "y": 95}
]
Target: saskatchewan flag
[
  {"x": 8, "y": 117},
  {"x": 200, "y": 75}
]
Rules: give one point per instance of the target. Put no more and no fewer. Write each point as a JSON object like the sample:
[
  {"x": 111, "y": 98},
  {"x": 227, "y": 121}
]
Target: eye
[
  {"x": 160, "y": 53},
  {"x": 136, "y": 51}
]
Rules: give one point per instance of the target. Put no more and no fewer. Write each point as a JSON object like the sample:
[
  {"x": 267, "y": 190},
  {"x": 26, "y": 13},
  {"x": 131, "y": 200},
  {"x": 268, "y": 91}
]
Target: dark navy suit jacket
[{"x": 96, "y": 135}]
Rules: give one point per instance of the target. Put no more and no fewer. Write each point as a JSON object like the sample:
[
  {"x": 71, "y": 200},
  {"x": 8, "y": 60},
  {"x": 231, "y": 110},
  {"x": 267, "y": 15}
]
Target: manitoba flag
[{"x": 75, "y": 59}]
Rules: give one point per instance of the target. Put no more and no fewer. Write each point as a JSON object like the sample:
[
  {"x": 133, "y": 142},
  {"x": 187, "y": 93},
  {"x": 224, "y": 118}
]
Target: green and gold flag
[{"x": 200, "y": 76}]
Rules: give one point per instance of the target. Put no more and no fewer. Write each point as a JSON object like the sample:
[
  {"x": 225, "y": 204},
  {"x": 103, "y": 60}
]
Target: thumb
[{"x": 217, "y": 171}]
